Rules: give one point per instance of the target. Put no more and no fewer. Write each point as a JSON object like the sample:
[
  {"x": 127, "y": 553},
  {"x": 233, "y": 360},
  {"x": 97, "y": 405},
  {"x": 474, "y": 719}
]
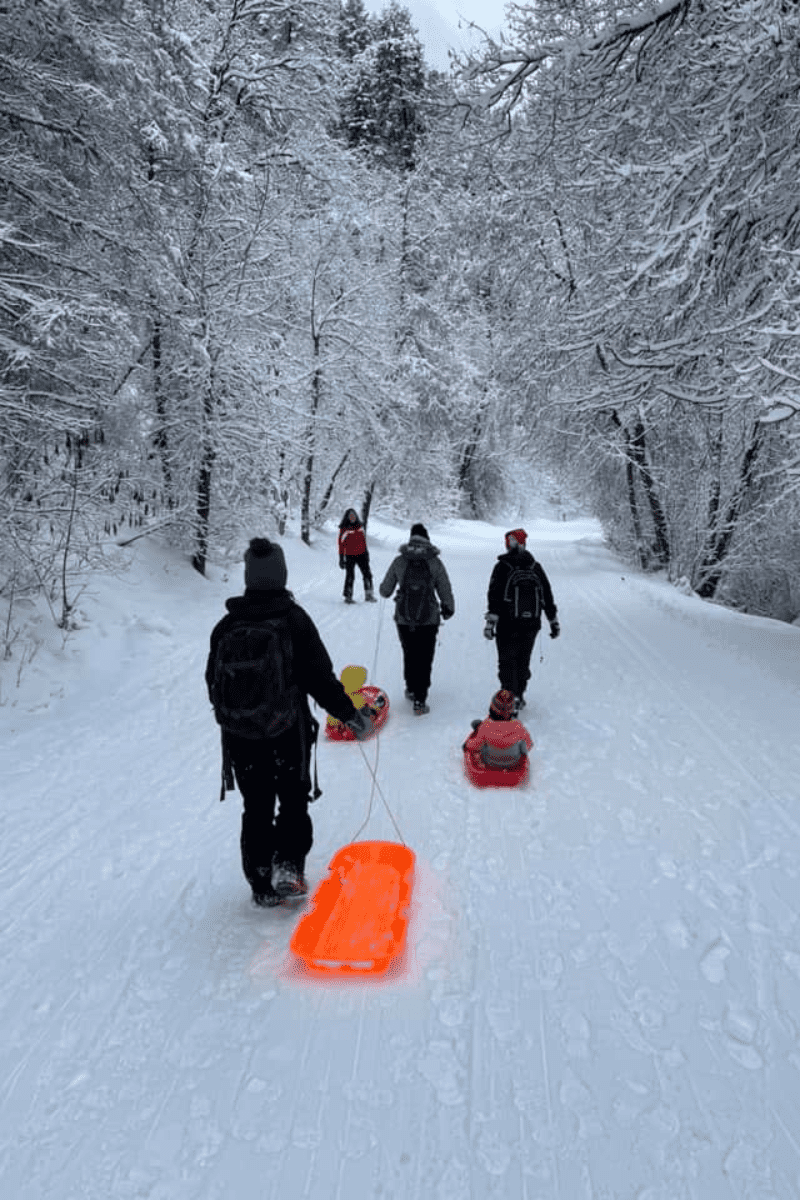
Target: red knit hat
[
  {"x": 502, "y": 706},
  {"x": 519, "y": 534}
]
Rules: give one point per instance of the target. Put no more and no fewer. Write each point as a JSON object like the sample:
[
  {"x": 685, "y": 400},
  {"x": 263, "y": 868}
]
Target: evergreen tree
[{"x": 386, "y": 83}]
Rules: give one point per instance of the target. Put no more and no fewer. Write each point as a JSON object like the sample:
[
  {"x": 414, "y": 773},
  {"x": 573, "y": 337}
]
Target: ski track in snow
[{"x": 600, "y": 997}]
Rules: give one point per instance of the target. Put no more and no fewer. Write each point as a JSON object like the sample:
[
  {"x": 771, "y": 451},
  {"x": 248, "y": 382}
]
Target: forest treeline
[{"x": 259, "y": 261}]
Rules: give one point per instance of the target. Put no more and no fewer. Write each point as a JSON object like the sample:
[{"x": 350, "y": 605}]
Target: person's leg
[
  {"x": 349, "y": 577},
  {"x": 294, "y": 832},
  {"x": 525, "y": 649},
  {"x": 407, "y": 643},
  {"x": 506, "y": 659},
  {"x": 253, "y": 768},
  {"x": 425, "y": 649},
  {"x": 366, "y": 575}
]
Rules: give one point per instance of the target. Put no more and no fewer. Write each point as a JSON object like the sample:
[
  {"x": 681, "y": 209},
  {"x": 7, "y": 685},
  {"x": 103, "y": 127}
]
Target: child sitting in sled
[{"x": 501, "y": 742}]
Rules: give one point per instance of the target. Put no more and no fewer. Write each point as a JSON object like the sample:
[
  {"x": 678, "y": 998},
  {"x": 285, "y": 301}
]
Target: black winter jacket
[
  {"x": 313, "y": 669},
  {"x": 498, "y": 600}
]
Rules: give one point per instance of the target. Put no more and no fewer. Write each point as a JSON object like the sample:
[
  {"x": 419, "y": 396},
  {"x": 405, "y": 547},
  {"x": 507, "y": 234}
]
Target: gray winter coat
[{"x": 418, "y": 547}]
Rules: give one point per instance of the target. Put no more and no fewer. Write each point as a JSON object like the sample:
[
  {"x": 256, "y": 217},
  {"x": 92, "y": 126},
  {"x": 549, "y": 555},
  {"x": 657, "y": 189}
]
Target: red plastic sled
[
  {"x": 361, "y": 694},
  {"x": 483, "y": 776},
  {"x": 359, "y": 913}
]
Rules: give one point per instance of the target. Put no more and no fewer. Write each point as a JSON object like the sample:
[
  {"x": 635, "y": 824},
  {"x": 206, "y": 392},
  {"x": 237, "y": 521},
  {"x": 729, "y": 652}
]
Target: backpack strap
[
  {"x": 317, "y": 792},
  {"x": 227, "y": 768}
]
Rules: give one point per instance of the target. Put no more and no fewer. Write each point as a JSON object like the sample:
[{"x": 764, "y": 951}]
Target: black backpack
[
  {"x": 417, "y": 596},
  {"x": 252, "y": 689},
  {"x": 523, "y": 594}
]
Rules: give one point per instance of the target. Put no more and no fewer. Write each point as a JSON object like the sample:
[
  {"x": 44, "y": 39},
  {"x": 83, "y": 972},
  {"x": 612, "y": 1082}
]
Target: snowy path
[{"x": 601, "y": 996}]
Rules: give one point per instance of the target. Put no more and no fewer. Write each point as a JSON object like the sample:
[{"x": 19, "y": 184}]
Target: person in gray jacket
[{"x": 420, "y": 577}]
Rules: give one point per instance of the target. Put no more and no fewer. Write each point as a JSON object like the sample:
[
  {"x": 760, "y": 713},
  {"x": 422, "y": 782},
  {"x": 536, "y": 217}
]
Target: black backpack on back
[
  {"x": 417, "y": 596},
  {"x": 252, "y": 689},
  {"x": 523, "y": 594}
]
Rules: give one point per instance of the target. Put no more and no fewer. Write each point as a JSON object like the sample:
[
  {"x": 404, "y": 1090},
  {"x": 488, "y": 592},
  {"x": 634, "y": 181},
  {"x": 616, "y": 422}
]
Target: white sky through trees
[{"x": 438, "y": 24}]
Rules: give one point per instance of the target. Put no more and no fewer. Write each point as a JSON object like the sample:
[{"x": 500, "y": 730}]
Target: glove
[
  {"x": 341, "y": 561},
  {"x": 360, "y": 724},
  {"x": 490, "y": 628},
  {"x": 446, "y": 613},
  {"x": 555, "y": 628}
]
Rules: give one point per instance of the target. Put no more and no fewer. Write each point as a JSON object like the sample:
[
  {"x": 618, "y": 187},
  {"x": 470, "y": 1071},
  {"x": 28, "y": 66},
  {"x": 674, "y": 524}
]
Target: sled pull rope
[
  {"x": 378, "y": 639},
  {"x": 375, "y": 784}
]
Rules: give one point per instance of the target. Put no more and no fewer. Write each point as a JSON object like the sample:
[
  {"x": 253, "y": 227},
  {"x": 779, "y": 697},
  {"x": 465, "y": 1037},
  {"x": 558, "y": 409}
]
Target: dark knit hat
[
  {"x": 519, "y": 534},
  {"x": 264, "y": 566},
  {"x": 419, "y": 530},
  {"x": 502, "y": 706}
]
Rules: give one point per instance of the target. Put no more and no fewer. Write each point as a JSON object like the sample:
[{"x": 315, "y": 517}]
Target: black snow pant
[
  {"x": 419, "y": 645},
  {"x": 275, "y": 769},
  {"x": 514, "y": 648},
  {"x": 361, "y": 561}
]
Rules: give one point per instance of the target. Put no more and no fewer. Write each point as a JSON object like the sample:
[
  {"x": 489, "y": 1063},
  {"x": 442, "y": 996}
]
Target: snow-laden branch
[{"x": 601, "y": 52}]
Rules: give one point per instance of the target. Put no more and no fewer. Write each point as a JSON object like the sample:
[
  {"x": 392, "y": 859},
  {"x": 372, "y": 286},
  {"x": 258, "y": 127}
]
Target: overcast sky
[{"x": 437, "y": 23}]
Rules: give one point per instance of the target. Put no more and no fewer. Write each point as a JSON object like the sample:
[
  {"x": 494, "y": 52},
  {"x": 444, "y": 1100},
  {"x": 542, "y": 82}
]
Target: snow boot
[
  {"x": 349, "y": 600},
  {"x": 269, "y": 899},
  {"x": 409, "y": 694},
  {"x": 420, "y": 708},
  {"x": 289, "y": 880},
  {"x": 370, "y": 597}
]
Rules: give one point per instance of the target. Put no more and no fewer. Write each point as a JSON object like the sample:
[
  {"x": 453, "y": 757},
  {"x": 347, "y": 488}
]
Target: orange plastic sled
[
  {"x": 353, "y": 679},
  {"x": 359, "y": 913}
]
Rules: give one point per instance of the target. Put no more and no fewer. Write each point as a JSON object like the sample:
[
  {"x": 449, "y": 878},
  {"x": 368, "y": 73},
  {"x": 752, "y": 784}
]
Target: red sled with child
[
  {"x": 372, "y": 699},
  {"x": 496, "y": 752}
]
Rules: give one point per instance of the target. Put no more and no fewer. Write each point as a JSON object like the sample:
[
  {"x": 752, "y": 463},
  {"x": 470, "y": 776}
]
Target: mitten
[
  {"x": 490, "y": 628},
  {"x": 360, "y": 724},
  {"x": 446, "y": 613},
  {"x": 555, "y": 628}
]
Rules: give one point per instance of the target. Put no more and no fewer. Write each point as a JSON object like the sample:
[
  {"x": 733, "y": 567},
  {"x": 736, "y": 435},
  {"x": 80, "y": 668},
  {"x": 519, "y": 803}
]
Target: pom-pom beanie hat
[
  {"x": 502, "y": 706},
  {"x": 264, "y": 566},
  {"x": 519, "y": 535}
]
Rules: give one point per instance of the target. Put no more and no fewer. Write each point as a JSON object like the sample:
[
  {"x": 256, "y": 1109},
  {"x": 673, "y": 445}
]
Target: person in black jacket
[
  {"x": 274, "y": 848},
  {"x": 519, "y": 592}
]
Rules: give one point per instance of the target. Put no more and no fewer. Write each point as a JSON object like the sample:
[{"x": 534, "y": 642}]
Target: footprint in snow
[{"x": 712, "y": 964}]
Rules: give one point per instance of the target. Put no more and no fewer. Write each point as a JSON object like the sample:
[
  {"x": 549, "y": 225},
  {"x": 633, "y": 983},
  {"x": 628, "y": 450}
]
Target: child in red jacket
[
  {"x": 500, "y": 740},
  {"x": 353, "y": 553}
]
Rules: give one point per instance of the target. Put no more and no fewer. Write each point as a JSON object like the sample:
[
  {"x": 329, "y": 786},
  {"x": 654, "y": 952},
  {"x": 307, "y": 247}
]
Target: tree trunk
[
  {"x": 283, "y": 494},
  {"x": 367, "y": 505},
  {"x": 203, "y": 493},
  {"x": 720, "y": 538},
  {"x": 466, "y": 481},
  {"x": 308, "y": 475},
  {"x": 320, "y": 512},
  {"x": 160, "y": 441},
  {"x": 638, "y": 452},
  {"x": 633, "y": 504}
]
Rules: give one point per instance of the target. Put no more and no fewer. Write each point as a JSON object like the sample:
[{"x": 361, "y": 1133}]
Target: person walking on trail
[
  {"x": 420, "y": 576},
  {"x": 266, "y": 658},
  {"x": 519, "y": 593},
  {"x": 353, "y": 553}
]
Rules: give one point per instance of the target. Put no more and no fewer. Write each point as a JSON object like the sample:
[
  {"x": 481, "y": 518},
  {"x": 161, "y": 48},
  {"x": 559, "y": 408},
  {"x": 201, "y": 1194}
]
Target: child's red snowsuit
[{"x": 500, "y": 744}]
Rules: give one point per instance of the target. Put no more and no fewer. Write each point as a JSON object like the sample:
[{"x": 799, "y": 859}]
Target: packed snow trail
[{"x": 601, "y": 992}]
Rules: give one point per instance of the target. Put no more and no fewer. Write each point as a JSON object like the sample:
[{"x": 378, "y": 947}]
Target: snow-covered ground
[{"x": 601, "y": 993}]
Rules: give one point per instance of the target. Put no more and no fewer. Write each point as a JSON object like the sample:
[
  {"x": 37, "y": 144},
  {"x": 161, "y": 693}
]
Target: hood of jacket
[
  {"x": 517, "y": 558},
  {"x": 418, "y": 547},
  {"x": 258, "y": 605}
]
